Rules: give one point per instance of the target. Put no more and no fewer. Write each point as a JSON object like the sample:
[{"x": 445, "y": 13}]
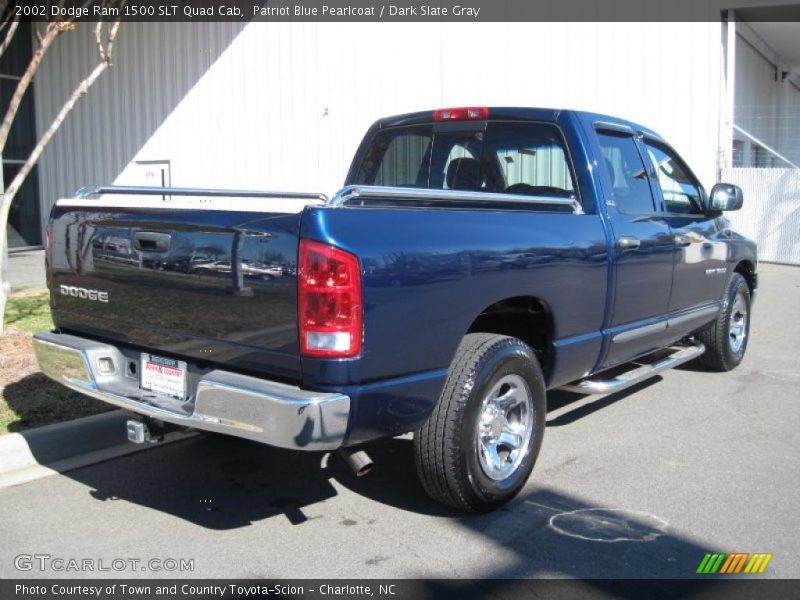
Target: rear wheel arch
[{"x": 527, "y": 318}]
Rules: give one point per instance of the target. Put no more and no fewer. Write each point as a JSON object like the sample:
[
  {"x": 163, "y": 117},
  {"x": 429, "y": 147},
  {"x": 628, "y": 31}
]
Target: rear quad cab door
[{"x": 643, "y": 248}]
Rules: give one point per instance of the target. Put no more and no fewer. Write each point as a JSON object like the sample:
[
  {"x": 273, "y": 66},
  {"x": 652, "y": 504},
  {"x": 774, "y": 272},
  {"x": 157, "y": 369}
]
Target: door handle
[
  {"x": 151, "y": 241},
  {"x": 628, "y": 241},
  {"x": 682, "y": 240}
]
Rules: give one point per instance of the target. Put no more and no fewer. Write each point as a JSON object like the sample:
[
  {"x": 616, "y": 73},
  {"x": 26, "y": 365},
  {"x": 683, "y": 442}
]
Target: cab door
[
  {"x": 700, "y": 272},
  {"x": 643, "y": 253}
]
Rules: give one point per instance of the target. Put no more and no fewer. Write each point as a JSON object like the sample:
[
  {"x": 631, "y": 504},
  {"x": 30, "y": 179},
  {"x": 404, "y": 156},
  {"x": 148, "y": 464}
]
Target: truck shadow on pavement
[
  {"x": 224, "y": 483},
  {"x": 578, "y": 406}
]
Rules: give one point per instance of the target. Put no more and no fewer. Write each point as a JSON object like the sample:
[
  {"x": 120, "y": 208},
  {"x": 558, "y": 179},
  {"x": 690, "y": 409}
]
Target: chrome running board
[{"x": 678, "y": 356}]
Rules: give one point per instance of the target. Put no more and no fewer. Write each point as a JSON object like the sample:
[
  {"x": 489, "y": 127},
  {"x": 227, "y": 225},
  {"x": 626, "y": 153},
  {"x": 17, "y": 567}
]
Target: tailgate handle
[{"x": 151, "y": 241}]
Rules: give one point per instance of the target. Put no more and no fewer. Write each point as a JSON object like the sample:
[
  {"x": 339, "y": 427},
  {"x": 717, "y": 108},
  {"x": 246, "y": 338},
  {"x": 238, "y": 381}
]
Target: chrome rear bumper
[{"x": 264, "y": 411}]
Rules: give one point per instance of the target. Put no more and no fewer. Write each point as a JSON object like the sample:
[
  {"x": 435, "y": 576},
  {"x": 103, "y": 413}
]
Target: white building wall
[
  {"x": 770, "y": 213},
  {"x": 756, "y": 92},
  {"x": 766, "y": 103},
  {"x": 284, "y": 105},
  {"x": 155, "y": 66}
]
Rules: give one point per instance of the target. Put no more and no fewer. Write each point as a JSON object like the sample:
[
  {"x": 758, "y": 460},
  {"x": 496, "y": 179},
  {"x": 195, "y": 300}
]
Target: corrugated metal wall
[
  {"x": 283, "y": 105},
  {"x": 155, "y": 67},
  {"x": 771, "y": 211},
  {"x": 765, "y": 106}
]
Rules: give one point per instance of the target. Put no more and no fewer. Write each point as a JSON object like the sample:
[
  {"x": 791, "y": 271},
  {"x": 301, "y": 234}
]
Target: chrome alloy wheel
[
  {"x": 505, "y": 426},
  {"x": 737, "y": 323}
]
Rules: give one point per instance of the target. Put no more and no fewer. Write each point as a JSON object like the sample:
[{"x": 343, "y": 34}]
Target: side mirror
[{"x": 725, "y": 196}]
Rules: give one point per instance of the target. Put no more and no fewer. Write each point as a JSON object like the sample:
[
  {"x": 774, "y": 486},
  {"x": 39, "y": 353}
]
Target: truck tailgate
[{"x": 206, "y": 279}]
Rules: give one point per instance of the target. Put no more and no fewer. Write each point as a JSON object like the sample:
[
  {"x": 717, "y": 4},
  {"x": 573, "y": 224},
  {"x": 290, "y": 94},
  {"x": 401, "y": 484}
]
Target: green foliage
[{"x": 29, "y": 313}]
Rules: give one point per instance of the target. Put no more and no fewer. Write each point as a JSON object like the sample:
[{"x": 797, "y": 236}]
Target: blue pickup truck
[{"x": 476, "y": 258}]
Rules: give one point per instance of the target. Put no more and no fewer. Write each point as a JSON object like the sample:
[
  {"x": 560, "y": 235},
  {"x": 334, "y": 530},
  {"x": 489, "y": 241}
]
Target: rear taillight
[
  {"x": 464, "y": 113},
  {"x": 329, "y": 301}
]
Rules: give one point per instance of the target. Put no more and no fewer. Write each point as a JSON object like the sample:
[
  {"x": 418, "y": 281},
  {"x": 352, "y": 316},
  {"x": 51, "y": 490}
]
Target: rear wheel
[
  {"x": 482, "y": 440},
  {"x": 726, "y": 337}
]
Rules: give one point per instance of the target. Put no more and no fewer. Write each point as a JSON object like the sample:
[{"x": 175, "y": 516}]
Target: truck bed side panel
[{"x": 429, "y": 273}]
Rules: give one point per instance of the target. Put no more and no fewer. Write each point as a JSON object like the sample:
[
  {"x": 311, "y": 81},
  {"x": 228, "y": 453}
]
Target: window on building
[
  {"x": 24, "y": 223},
  {"x": 679, "y": 189},
  {"x": 627, "y": 173}
]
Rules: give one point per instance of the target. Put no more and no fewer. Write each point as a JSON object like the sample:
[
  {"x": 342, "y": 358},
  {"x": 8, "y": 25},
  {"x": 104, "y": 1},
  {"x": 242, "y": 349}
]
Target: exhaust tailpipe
[{"x": 357, "y": 459}]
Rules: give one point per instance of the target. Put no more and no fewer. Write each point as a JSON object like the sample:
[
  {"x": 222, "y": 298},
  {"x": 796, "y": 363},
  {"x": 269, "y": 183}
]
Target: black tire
[
  {"x": 447, "y": 449},
  {"x": 721, "y": 352}
]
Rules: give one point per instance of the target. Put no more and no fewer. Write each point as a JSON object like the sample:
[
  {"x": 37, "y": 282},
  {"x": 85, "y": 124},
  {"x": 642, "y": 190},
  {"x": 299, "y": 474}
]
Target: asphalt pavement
[{"x": 638, "y": 484}]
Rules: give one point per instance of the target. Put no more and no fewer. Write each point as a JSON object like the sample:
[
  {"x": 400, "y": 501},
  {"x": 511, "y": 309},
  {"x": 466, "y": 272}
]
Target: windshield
[{"x": 505, "y": 157}]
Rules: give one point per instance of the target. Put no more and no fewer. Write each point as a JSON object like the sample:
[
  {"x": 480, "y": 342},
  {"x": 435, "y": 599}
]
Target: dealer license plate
[{"x": 163, "y": 376}]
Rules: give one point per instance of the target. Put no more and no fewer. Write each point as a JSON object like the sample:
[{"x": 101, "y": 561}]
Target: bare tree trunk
[
  {"x": 51, "y": 33},
  {"x": 5, "y": 285},
  {"x": 105, "y": 49},
  {"x": 13, "y": 188},
  {"x": 16, "y": 183}
]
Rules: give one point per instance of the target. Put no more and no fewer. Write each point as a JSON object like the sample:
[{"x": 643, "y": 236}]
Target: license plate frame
[{"x": 162, "y": 375}]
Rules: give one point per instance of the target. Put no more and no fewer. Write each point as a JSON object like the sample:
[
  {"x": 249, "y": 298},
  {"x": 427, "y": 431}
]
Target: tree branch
[
  {"x": 105, "y": 51},
  {"x": 105, "y": 48},
  {"x": 16, "y": 183},
  {"x": 51, "y": 33},
  {"x": 98, "y": 39},
  {"x": 12, "y": 29},
  {"x": 112, "y": 35}
]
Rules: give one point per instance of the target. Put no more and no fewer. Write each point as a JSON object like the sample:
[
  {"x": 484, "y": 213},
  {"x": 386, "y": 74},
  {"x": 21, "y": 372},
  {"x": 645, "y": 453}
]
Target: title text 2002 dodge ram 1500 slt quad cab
[{"x": 476, "y": 258}]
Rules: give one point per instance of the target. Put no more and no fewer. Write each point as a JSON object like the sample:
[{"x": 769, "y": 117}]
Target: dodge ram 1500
[{"x": 475, "y": 259}]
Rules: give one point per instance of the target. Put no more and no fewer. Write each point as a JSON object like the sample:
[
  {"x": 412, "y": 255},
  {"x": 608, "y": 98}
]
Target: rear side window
[
  {"x": 514, "y": 158},
  {"x": 531, "y": 160},
  {"x": 398, "y": 158},
  {"x": 627, "y": 173},
  {"x": 544, "y": 166},
  {"x": 680, "y": 190}
]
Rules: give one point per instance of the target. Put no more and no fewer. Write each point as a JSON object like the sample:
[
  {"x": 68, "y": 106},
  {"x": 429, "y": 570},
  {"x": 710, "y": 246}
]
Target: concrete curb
[{"x": 62, "y": 447}]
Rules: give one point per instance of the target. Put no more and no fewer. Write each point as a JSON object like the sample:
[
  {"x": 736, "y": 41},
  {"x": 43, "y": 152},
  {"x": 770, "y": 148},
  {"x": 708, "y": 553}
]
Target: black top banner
[{"x": 469, "y": 11}]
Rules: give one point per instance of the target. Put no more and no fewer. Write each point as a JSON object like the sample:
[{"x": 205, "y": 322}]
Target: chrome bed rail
[
  {"x": 91, "y": 191},
  {"x": 354, "y": 192},
  {"x": 343, "y": 197}
]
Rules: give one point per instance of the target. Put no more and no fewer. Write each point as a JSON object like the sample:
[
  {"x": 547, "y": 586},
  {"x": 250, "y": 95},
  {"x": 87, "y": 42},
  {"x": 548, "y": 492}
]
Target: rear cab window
[{"x": 520, "y": 158}]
